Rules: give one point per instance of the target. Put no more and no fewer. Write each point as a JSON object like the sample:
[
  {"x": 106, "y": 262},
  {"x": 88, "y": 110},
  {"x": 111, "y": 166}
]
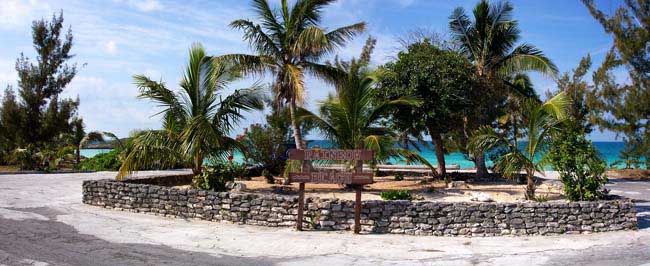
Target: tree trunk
[
  {"x": 78, "y": 155},
  {"x": 530, "y": 186},
  {"x": 479, "y": 158},
  {"x": 436, "y": 138},
  {"x": 198, "y": 164},
  {"x": 294, "y": 124}
]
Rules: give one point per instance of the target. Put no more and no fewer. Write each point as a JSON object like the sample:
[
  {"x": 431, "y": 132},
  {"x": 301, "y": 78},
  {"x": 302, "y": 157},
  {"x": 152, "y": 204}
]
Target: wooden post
[
  {"x": 357, "y": 210},
  {"x": 357, "y": 204},
  {"x": 301, "y": 205}
]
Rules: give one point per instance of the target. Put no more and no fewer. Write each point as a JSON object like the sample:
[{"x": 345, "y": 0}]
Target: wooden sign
[
  {"x": 331, "y": 178},
  {"x": 349, "y": 155},
  {"x": 357, "y": 178}
]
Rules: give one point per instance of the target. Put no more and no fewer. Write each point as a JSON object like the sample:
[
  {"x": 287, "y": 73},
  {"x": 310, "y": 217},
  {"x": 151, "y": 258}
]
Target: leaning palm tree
[
  {"x": 196, "y": 120},
  {"x": 540, "y": 121},
  {"x": 350, "y": 120},
  {"x": 490, "y": 43},
  {"x": 289, "y": 42}
]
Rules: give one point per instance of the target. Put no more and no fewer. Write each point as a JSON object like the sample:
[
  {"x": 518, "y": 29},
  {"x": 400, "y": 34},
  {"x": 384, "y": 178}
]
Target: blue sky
[{"x": 115, "y": 39}]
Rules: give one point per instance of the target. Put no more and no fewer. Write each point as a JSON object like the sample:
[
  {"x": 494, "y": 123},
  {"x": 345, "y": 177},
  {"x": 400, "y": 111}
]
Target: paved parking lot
[{"x": 42, "y": 222}]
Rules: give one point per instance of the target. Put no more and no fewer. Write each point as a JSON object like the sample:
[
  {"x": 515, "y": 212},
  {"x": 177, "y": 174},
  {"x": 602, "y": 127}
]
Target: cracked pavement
[{"x": 43, "y": 222}]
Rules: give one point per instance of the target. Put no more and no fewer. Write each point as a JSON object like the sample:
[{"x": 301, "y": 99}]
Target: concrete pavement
[{"x": 42, "y": 222}]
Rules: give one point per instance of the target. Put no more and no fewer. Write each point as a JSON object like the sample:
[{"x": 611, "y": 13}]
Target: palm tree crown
[
  {"x": 289, "y": 42},
  {"x": 351, "y": 121},
  {"x": 196, "y": 120}
]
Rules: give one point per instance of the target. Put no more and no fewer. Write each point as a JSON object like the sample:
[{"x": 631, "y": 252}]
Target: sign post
[{"x": 357, "y": 178}]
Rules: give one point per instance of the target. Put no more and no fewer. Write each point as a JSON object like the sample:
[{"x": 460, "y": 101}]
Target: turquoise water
[{"x": 608, "y": 150}]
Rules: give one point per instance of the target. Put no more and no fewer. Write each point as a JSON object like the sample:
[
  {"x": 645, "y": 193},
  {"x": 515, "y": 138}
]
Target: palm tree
[
  {"x": 490, "y": 43},
  {"x": 522, "y": 91},
  {"x": 351, "y": 121},
  {"x": 196, "y": 120},
  {"x": 289, "y": 42},
  {"x": 540, "y": 122}
]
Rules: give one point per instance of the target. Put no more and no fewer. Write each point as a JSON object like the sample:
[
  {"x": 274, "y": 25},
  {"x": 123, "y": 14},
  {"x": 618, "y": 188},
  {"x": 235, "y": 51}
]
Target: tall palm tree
[
  {"x": 196, "y": 120},
  {"x": 490, "y": 42},
  {"x": 522, "y": 91},
  {"x": 289, "y": 43},
  {"x": 351, "y": 121},
  {"x": 540, "y": 121}
]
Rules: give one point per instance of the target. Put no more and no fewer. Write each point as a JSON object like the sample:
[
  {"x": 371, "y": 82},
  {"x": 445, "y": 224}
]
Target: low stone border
[{"x": 377, "y": 216}]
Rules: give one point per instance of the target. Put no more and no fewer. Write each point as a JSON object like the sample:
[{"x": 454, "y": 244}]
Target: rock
[
  {"x": 457, "y": 184},
  {"x": 481, "y": 197},
  {"x": 234, "y": 186}
]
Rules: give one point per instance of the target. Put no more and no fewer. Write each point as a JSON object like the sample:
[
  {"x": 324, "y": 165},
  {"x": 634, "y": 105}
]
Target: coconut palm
[
  {"x": 522, "y": 91},
  {"x": 490, "y": 43},
  {"x": 540, "y": 122},
  {"x": 196, "y": 120},
  {"x": 350, "y": 120},
  {"x": 288, "y": 43}
]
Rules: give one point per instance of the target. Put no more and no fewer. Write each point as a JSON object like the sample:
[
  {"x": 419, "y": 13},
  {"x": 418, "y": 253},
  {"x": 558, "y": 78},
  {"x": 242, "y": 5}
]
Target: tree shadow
[
  {"x": 643, "y": 213},
  {"x": 57, "y": 243}
]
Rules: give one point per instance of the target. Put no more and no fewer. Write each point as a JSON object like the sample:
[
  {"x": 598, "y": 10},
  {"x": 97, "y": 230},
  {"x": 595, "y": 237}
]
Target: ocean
[{"x": 608, "y": 150}]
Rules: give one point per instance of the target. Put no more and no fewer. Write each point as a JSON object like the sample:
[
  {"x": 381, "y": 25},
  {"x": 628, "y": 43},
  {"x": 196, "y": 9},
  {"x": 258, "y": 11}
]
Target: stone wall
[{"x": 398, "y": 217}]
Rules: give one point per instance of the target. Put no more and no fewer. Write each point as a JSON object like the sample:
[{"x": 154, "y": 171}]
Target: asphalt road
[{"x": 42, "y": 222}]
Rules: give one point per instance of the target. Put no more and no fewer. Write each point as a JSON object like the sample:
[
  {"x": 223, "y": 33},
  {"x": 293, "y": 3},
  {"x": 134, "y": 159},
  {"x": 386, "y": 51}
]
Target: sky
[{"x": 116, "y": 39}]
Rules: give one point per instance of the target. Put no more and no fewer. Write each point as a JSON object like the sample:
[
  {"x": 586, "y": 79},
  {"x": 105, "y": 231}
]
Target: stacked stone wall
[{"x": 377, "y": 216}]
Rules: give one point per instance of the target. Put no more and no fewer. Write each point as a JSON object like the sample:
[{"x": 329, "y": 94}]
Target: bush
[
  {"x": 268, "y": 176},
  {"x": 264, "y": 146},
  {"x": 396, "y": 195},
  {"x": 581, "y": 169},
  {"x": 399, "y": 177},
  {"x": 216, "y": 176},
  {"x": 102, "y": 162}
]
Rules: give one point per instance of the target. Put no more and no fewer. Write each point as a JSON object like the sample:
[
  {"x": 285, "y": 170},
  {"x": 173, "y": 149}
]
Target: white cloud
[
  {"x": 147, "y": 5},
  {"x": 405, "y": 3},
  {"x": 143, "y": 5},
  {"x": 18, "y": 12},
  {"x": 110, "y": 47}
]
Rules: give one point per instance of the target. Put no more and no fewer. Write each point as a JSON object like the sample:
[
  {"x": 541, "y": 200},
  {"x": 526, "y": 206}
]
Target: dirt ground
[
  {"x": 633, "y": 174},
  {"x": 421, "y": 190}
]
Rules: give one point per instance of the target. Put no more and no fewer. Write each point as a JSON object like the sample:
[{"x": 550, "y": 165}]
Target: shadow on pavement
[
  {"x": 57, "y": 243},
  {"x": 643, "y": 213}
]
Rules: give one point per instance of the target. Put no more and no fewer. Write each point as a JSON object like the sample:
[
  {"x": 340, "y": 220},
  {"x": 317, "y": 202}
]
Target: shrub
[
  {"x": 399, "y": 177},
  {"x": 216, "y": 176},
  {"x": 102, "y": 162},
  {"x": 268, "y": 176},
  {"x": 396, "y": 195},
  {"x": 581, "y": 169},
  {"x": 264, "y": 146}
]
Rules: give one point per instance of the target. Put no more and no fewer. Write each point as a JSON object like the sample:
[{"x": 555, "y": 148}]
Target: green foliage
[
  {"x": 216, "y": 176},
  {"x": 440, "y": 78},
  {"x": 196, "y": 120},
  {"x": 37, "y": 119},
  {"x": 102, "y": 162},
  {"x": 268, "y": 176},
  {"x": 541, "y": 198},
  {"x": 289, "y": 42},
  {"x": 491, "y": 41},
  {"x": 399, "y": 177},
  {"x": 624, "y": 108},
  {"x": 264, "y": 146},
  {"x": 396, "y": 195},
  {"x": 542, "y": 121},
  {"x": 581, "y": 169},
  {"x": 351, "y": 120}
]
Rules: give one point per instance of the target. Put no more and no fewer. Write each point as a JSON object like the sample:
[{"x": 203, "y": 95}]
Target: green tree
[
  {"x": 288, "y": 43},
  {"x": 44, "y": 115},
  {"x": 441, "y": 79},
  {"x": 542, "y": 121},
  {"x": 489, "y": 41},
  {"x": 350, "y": 120},
  {"x": 625, "y": 108},
  {"x": 196, "y": 120},
  {"x": 522, "y": 91},
  {"x": 10, "y": 121}
]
